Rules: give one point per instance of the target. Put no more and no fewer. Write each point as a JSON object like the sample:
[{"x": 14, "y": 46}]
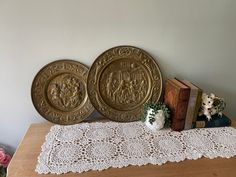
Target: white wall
[{"x": 192, "y": 39}]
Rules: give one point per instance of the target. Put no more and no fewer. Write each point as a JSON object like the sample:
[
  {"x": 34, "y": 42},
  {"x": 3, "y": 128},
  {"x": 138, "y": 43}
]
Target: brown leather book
[
  {"x": 176, "y": 98},
  {"x": 193, "y": 104}
]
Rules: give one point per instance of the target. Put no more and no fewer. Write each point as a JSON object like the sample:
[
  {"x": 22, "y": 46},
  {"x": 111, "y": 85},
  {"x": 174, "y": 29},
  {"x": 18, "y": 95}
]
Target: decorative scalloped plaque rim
[
  {"x": 41, "y": 82},
  {"x": 103, "y": 61}
]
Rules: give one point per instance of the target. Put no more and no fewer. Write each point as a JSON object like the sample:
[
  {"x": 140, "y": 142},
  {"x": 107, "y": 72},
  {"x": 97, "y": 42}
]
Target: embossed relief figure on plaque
[
  {"x": 59, "y": 92},
  {"x": 125, "y": 84},
  {"x": 66, "y": 92},
  {"x": 121, "y": 80}
]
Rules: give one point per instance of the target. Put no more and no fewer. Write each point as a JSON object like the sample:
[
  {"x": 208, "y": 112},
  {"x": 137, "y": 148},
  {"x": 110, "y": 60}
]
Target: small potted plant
[
  {"x": 156, "y": 115},
  {"x": 4, "y": 161}
]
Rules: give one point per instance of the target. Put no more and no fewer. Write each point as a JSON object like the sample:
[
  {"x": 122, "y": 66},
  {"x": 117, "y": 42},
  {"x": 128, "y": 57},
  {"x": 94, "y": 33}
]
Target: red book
[{"x": 176, "y": 98}]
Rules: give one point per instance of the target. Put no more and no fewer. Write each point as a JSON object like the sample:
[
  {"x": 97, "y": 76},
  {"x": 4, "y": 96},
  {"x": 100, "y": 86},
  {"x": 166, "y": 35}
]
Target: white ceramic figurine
[{"x": 211, "y": 105}]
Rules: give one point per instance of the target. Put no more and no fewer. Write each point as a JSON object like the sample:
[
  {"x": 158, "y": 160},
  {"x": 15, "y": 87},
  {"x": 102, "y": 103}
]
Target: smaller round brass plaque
[
  {"x": 121, "y": 80},
  {"x": 59, "y": 92}
]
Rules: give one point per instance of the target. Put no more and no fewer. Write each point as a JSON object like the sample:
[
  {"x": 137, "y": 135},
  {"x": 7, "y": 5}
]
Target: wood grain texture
[{"x": 25, "y": 159}]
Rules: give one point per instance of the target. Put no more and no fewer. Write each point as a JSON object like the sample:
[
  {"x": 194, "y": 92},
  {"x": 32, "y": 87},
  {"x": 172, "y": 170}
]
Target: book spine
[
  {"x": 176, "y": 98},
  {"x": 198, "y": 105},
  {"x": 191, "y": 108},
  {"x": 181, "y": 110},
  {"x": 223, "y": 122},
  {"x": 177, "y": 125}
]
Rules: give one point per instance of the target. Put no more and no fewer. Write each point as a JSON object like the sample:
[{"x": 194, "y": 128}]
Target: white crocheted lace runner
[{"x": 98, "y": 146}]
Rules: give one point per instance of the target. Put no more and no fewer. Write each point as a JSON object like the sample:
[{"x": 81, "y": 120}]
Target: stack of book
[{"x": 184, "y": 100}]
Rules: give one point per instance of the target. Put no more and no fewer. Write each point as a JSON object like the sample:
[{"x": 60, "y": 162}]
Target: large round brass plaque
[
  {"x": 59, "y": 92},
  {"x": 121, "y": 80}
]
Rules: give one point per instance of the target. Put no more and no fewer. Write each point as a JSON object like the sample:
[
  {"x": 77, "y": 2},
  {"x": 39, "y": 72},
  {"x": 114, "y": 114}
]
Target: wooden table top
[{"x": 24, "y": 162}]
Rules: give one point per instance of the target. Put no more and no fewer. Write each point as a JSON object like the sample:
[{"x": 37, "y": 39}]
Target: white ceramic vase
[{"x": 159, "y": 119}]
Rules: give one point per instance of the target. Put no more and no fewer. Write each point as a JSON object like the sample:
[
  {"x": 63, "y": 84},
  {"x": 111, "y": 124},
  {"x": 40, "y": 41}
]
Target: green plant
[{"x": 2, "y": 171}]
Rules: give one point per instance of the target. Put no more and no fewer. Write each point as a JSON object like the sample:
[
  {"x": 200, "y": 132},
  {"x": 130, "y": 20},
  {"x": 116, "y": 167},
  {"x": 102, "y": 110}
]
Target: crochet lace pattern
[{"x": 98, "y": 146}]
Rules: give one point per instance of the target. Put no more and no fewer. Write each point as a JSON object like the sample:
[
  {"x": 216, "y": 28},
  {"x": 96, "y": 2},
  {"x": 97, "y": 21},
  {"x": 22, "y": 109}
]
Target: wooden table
[{"x": 25, "y": 159}]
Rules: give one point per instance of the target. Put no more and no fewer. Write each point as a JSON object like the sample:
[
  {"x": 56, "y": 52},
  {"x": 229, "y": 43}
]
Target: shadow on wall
[{"x": 94, "y": 116}]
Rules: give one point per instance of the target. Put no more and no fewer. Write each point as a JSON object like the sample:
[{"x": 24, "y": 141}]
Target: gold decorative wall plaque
[
  {"x": 59, "y": 92},
  {"x": 121, "y": 80}
]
